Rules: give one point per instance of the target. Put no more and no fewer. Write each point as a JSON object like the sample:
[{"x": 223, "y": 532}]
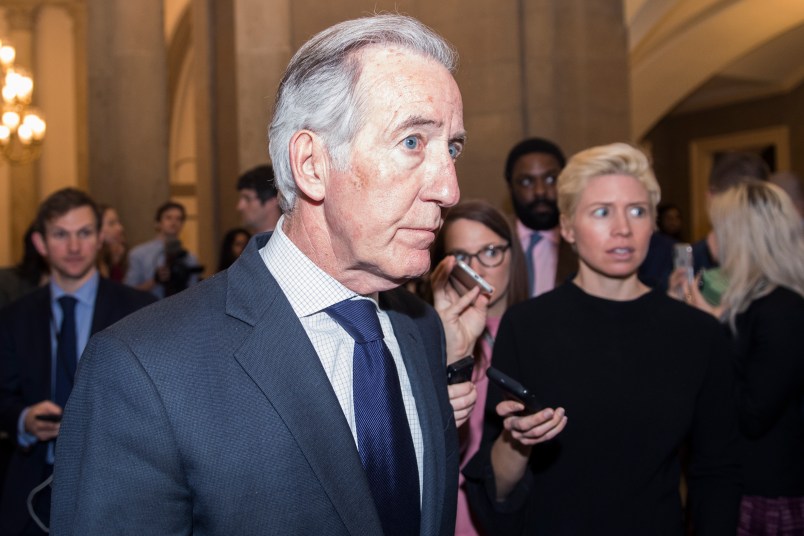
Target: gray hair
[{"x": 318, "y": 91}]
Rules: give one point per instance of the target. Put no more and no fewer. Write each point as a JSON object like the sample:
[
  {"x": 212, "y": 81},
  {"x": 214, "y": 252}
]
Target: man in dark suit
[
  {"x": 531, "y": 172},
  {"x": 248, "y": 404},
  {"x": 34, "y": 356}
]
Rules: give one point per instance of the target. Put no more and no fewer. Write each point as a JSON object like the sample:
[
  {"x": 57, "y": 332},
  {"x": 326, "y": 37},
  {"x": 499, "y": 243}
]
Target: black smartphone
[
  {"x": 470, "y": 279},
  {"x": 49, "y": 417},
  {"x": 461, "y": 370},
  {"x": 515, "y": 390}
]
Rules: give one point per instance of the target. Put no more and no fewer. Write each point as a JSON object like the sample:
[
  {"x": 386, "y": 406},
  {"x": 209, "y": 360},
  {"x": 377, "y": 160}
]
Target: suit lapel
[
  {"x": 40, "y": 342},
  {"x": 102, "y": 309},
  {"x": 288, "y": 371},
  {"x": 414, "y": 354}
]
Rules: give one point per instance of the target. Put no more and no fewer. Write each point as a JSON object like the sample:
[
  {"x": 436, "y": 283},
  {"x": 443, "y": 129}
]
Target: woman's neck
[{"x": 610, "y": 288}]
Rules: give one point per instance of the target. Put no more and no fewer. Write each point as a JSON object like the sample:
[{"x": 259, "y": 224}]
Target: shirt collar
[
  {"x": 85, "y": 294},
  {"x": 307, "y": 287},
  {"x": 524, "y": 231}
]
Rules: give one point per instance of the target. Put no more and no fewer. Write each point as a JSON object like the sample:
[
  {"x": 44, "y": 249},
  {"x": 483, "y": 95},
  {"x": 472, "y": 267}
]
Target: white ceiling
[{"x": 695, "y": 54}]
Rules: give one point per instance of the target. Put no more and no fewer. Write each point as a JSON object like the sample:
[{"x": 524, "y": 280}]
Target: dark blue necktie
[
  {"x": 66, "y": 357},
  {"x": 383, "y": 433},
  {"x": 535, "y": 237}
]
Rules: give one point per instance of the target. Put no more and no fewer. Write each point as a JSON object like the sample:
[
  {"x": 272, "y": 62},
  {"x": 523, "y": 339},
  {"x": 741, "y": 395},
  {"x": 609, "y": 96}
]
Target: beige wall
[{"x": 188, "y": 125}]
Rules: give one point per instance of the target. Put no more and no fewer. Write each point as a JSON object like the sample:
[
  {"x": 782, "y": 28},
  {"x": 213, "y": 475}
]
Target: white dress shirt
[{"x": 310, "y": 290}]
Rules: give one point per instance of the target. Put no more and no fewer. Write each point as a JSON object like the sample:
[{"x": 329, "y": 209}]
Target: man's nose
[
  {"x": 73, "y": 242},
  {"x": 539, "y": 188},
  {"x": 444, "y": 188}
]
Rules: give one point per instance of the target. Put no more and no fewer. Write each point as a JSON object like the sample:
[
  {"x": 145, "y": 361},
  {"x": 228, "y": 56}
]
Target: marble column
[
  {"x": 128, "y": 110},
  {"x": 575, "y": 72}
]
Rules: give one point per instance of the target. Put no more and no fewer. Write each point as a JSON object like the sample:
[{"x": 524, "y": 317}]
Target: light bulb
[
  {"x": 37, "y": 125},
  {"x": 25, "y": 134},
  {"x": 7, "y": 55},
  {"x": 25, "y": 88},
  {"x": 11, "y": 120},
  {"x": 8, "y": 94}
]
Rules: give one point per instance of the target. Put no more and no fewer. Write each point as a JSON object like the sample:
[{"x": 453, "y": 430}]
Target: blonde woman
[
  {"x": 627, "y": 372},
  {"x": 761, "y": 250}
]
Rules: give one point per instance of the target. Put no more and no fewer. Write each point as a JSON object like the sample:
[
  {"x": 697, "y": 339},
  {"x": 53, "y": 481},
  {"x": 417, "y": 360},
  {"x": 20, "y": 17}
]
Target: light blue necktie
[
  {"x": 383, "y": 433},
  {"x": 535, "y": 237}
]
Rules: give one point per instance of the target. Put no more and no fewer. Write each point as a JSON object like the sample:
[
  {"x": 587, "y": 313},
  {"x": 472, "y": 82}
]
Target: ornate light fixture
[{"x": 22, "y": 127}]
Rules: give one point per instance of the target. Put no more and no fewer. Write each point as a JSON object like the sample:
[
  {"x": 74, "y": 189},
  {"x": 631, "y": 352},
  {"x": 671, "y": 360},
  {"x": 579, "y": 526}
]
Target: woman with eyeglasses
[
  {"x": 627, "y": 376},
  {"x": 479, "y": 235}
]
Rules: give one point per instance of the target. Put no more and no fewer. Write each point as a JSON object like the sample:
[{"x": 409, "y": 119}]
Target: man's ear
[
  {"x": 39, "y": 243},
  {"x": 309, "y": 163},
  {"x": 566, "y": 229}
]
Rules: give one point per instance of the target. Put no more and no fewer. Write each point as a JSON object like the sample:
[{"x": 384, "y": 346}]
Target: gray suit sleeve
[{"x": 118, "y": 469}]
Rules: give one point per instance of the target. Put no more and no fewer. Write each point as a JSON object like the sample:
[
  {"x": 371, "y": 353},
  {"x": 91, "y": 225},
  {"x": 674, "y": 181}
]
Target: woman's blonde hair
[
  {"x": 760, "y": 242},
  {"x": 614, "y": 159}
]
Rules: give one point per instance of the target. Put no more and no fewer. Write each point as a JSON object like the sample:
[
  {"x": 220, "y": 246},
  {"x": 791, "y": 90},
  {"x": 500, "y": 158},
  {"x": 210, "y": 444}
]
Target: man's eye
[
  {"x": 411, "y": 142},
  {"x": 525, "y": 182},
  {"x": 550, "y": 180},
  {"x": 600, "y": 212},
  {"x": 454, "y": 150}
]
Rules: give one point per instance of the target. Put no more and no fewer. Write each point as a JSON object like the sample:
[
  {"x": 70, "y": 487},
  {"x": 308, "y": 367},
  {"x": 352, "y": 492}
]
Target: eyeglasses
[{"x": 490, "y": 256}]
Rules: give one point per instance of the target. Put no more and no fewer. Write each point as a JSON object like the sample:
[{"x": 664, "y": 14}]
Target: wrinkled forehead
[
  {"x": 398, "y": 67},
  {"x": 395, "y": 83}
]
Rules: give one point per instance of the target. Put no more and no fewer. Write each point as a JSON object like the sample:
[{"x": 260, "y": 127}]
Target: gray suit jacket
[{"x": 211, "y": 414}]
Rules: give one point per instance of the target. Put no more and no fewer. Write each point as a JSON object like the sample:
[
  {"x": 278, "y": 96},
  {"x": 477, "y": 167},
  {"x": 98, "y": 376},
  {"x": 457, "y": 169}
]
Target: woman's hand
[
  {"x": 529, "y": 430},
  {"x": 511, "y": 451},
  {"x": 464, "y": 317},
  {"x": 681, "y": 289},
  {"x": 462, "y": 396}
]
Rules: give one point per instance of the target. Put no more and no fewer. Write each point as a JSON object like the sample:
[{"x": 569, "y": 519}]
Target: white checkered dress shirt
[{"x": 310, "y": 290}]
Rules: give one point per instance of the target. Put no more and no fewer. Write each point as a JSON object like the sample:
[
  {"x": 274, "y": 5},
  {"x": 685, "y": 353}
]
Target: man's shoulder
[
  {"x": 27, "y": 303},
  {"x": 119, "y": 293},
  {"x": 182, "y": 311},
  {"x": 144, "y": 247}
]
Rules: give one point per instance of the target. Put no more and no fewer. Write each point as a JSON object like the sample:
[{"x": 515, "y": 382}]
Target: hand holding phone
[
  {"x": 460, "y": 371},
  {"x": 682, "y": 258},
  {"x": 467, "y": 277},
  {"x": 48, "y": 417},
  {"x": 515, "y": 390}
]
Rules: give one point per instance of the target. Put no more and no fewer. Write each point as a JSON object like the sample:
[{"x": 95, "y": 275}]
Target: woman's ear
[
  {"x": 309, "y": 162},
  {"x": 567, "y": 232}
]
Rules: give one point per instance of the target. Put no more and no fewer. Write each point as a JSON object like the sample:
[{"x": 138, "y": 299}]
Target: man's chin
[{"x": 540, "y": 222}]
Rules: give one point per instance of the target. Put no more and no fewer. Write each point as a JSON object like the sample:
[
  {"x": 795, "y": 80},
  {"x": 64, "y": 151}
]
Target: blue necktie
[
  {"x": 66, "y": 357},
  {"x": 534, "y": 239},
  {"x": 383, "y": 434}
]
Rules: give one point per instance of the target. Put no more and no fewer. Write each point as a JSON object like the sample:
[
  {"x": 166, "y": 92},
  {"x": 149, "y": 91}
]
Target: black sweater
[
  {"x": 636, "y": 379},
  {"x": 770, "y": 348}
]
